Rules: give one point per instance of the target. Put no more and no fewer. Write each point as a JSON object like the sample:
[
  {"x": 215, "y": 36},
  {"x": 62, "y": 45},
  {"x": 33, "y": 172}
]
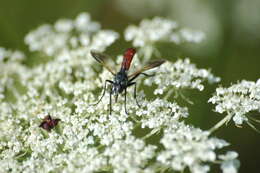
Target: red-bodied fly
[
  {"x": 121, "y": 79},
  {"x": 48, "y": 123}
]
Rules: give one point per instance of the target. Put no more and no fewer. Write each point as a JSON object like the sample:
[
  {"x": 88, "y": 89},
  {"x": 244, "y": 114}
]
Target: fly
[{"x": 121, "y": 79}]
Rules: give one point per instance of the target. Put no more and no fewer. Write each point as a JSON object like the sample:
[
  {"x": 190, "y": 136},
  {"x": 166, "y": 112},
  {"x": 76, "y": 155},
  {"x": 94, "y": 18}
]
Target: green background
[{"x": 233, "y": 52}]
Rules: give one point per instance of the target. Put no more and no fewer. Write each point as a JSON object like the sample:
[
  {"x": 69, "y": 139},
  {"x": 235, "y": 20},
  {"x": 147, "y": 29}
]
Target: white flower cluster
[
  {"x": 186, "y": 146},
  {"x": 12, "y": 71},
  {"x": 87, "y": 138},
  {"x": 81, "y": 33},
  {"x": 130, "y": 155},
  {"x": 71, "y": 67},
  {"x": 229, "y": 164},
  {"x": 160, "y": 30},
  {"x": 8, "y": 55},
  {"x": 180, "y": 75},
  {"x": 160, "y": 113},
  {"x": 238, "y": 100},
  {"x": 187, "y": 35}
]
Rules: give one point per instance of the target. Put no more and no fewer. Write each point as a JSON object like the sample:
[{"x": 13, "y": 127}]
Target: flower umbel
[
  {"x": 160, "y": 30},
  {"x": 186, "y": 146},
  {"x": 175, "y": 77},
  {"x": 237, "y": 101},
  {"x": 65, "y": 83},
  {"x": 156, "y": 30}
]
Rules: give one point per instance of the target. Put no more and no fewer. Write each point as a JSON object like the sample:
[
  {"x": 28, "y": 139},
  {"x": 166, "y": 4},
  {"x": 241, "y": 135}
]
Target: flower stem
[
  {"x": 169, "y": 93},
  {"x": 220, "y": 123},
  {"x": 154, "y": 131}
]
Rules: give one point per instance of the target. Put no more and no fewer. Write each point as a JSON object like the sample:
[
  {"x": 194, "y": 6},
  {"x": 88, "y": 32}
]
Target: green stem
[
  {"x": 150, "y": 134},
  {"x": 21, "y": 155},
  {"x": 186, "y": 99},
  {"x": 220, "y": 123},
  {"x": 135, "y": 120},
  {"x": 253, "y": 127},
  {"x": 169, "y": 93}
]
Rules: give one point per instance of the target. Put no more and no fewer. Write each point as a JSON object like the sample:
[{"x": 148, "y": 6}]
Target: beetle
[{"x": 48, "y": 123}]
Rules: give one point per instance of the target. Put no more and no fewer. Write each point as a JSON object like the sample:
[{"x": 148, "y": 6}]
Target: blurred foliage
[{"x": 231, "y": 49}]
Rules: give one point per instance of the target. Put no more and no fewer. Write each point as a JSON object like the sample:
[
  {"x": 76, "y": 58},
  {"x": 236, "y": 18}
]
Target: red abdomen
[{"x": 128, "y": 56}]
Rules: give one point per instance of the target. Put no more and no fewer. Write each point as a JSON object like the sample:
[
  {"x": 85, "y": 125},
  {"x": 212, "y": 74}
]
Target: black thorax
[{"x": 120, "y": 82}]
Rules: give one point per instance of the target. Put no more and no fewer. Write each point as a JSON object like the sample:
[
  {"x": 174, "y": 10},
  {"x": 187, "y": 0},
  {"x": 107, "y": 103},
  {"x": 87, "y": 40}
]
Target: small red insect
[
  {"x": 121, "y": 79},
  {"x": 48, "y": 123}
]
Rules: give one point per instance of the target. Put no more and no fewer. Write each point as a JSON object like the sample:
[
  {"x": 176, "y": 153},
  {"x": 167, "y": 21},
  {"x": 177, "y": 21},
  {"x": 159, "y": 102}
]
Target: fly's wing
[
  {"x": 149, "y": 66},
  {"x": 102, "y": 59}
]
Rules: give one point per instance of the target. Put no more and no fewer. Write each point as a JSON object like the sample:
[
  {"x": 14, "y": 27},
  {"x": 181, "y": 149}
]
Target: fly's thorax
[{"x": 120, "y": 82}]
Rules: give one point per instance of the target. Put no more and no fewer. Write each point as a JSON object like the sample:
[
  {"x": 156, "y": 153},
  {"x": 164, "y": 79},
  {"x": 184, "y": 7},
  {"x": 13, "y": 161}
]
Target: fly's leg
[
  {"x": 125, "y": 102},
  {"x": 104, "y": 91},
  {"x": 130, "y": 84},
  {"x": 136, "y": 95},
  {"x": 110, "y": 101},
  {"x": 148, "y": 75}
]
